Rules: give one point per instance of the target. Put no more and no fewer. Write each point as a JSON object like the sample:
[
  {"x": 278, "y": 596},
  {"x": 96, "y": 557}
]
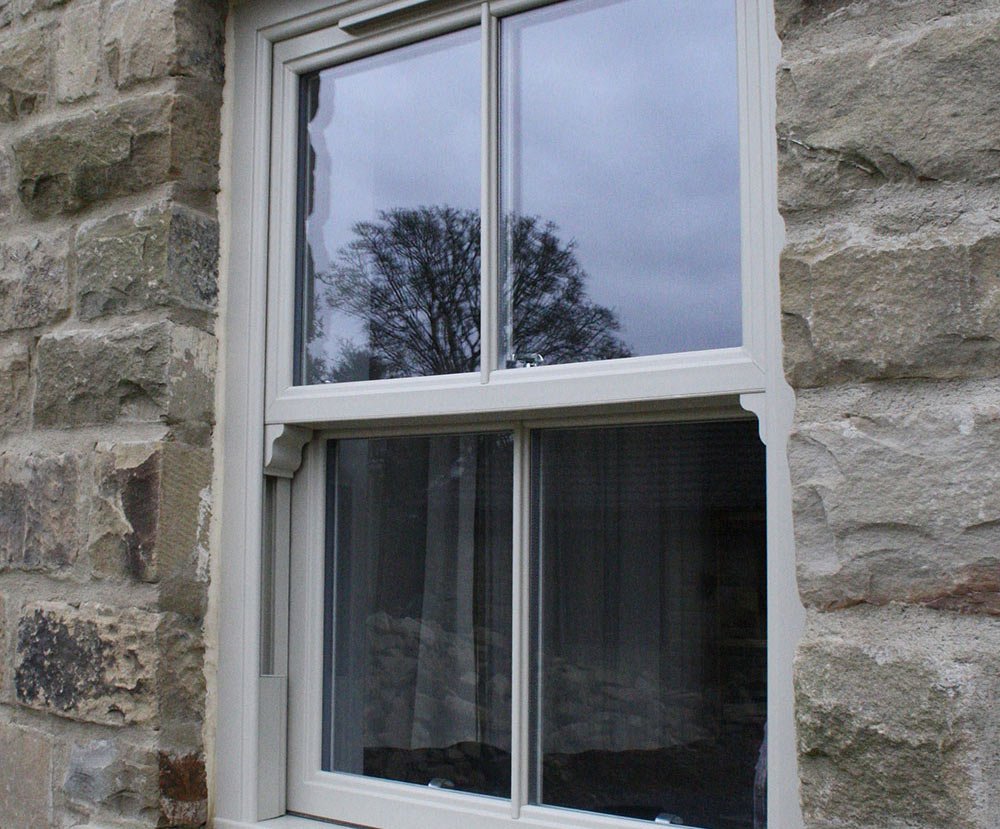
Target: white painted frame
[
  {"x": 493, "y": 391},
  {"x": 249, "y": 762}
]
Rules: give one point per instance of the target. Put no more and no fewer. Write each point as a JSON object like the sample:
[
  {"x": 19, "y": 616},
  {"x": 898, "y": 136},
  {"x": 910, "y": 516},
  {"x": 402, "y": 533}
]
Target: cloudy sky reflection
[{"x": 619, "y": 124}]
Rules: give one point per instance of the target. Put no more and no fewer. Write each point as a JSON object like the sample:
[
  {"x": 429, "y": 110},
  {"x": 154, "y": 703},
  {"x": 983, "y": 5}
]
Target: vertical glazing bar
[
  {"x": 520, "y": 742},
  {"x": 488, "y": 195}
]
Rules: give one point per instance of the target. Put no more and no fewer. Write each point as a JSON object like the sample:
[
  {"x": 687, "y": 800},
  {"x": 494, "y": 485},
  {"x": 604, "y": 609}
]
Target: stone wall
[
  {"x": 888, "y": 125},
  {"x": 109, "y": 144},
  {"x": 889, "y": 143}
]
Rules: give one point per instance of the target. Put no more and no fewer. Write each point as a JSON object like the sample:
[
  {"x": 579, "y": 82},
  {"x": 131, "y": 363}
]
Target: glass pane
[
  {"x": 389, "y": 215},
  {"x": 418, "y": 610},
  {"x": 620, "y": 180},
  {"x": 649, "y": 626}
]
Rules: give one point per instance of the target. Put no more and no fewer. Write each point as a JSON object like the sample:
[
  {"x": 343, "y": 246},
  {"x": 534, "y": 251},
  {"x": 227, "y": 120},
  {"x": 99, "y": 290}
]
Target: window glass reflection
[
  {"x": 649, "y": 650},
  {"x": 389, "y": 219},
  {"x": 418, "y": 681},
  {"x": 620, "y": 157}
]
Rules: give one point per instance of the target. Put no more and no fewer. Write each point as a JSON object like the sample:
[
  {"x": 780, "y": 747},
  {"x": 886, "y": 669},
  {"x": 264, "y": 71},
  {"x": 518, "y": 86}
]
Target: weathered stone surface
[
  {"x": 157, "y": 256},
  {"x": 78, "y": 51},
  {"x": 125, "y": 517},
  {"x": 105, "y": 777},
  {"x": 126, "y": 148},
  {"x": 919, "y": 107},
  {"x": 5, "y": 652},
  {"x": 8, "y": 187},
  {"x": 192, "y": 384},
  {"x": 897, "y": 721},
  {"x": 15, "y": 386},
  {"x": 40, "y": 515},
  {"x": 150, "y": 518},
  {"x": 24, "y": 73},
  {"x": 92, "y": 663},
  {"x": 200, "y": 26},
  {"x": 34, "y": 282},
  {"x": 144, "y": 372},
  {"x": 25, "y": 778},
  {"x": 811, "y": 25},
  {"x": 894, "y": 498},
  {"x": 903, "y": 308},
  {"x": 159, "y": 38},
  {"x": 183, "y": 789},
  {"x": 140, "y": 42},
  {"x": 90, "y": 376}
]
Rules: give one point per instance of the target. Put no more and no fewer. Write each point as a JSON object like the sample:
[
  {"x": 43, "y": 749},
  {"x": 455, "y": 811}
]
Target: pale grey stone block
[
  {"x": 77, "y": 58},
  {"x": 34, "y": 281},
  {"x": 141, "y": 372},
  {"x": 124, "y": 149},
  {"x": 40, "y": 511},
  {"x": 897, "y": 719},
  {"x": 914, "y": 108},
  {"x": 25, "y": 778},
  {"x": 896, "y": 495},
  {"x": 15, "y": 386},
  {"x": 892, "y": 307},
  {"x": 25, "y": 73},
  {"x": 158, "y": 256},
  {"x": 104, "y": 778}
]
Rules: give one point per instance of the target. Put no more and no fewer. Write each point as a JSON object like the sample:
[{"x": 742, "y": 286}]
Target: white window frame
[{"x": 269, "y": 424}]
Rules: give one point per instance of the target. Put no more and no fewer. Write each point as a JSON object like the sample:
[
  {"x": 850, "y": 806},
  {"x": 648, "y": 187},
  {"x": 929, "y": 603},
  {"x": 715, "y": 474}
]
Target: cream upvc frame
[{"x": 268, "y": 422}]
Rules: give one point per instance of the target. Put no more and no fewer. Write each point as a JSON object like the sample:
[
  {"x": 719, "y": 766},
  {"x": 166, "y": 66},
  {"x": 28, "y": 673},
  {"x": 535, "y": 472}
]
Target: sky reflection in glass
[
  {"x": 620, "y": 127},
  {"x": 619, "y": 152}
]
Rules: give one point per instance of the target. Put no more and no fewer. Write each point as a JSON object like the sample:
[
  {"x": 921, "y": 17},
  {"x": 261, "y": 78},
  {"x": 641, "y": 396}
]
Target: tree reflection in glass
[{"x": 411, "y": 279}]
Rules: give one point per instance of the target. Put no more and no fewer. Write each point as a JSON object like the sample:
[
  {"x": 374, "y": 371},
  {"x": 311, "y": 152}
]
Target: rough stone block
[
  {"x": 78, "y": 51},
  {"x": 150, "y": 518},
  {"x": 25, "y": 778},
  {"x": 8, "y": 186},
  {"x": 91, "y": 663},
  {"x": 814, "y": 25},
  {"x": 144, "y": 372},
  {"x": 34, "y": 282},
  {"x": 158, "y": 256},
  {"x": 126, "y": 148},
  {"x": 897, "y": 721},
  {"x": 201, "y": 37},
  {"x": 140, "y": 43},
  {"x": 24, "y": 73},
  {"x": 913, "y": 108},
  {"x": 159, "y": 38},
  {"x": 895, "y": 307},
  {"x": 183, "y": 789},
  {"x": 107, "y": 777},
  {"x": 5, "y": 651},
  {"x": 15, "y": 386},
  {"x": 894, "y": 498},
  {"x": 40, "y": 514}
]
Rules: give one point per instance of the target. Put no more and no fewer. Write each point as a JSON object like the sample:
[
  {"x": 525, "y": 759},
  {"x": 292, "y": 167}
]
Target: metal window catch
[
  {"x": 529, "y": 360},
  {"x": 441, "y": 783},
  {"x": 666, "y": 819}
]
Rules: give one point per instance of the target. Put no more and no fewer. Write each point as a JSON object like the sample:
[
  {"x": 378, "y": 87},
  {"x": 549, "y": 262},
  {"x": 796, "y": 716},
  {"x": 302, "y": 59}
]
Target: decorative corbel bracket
[
  {"x": 756, "y": 403},
  {"x": 283, "y": 449}
]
